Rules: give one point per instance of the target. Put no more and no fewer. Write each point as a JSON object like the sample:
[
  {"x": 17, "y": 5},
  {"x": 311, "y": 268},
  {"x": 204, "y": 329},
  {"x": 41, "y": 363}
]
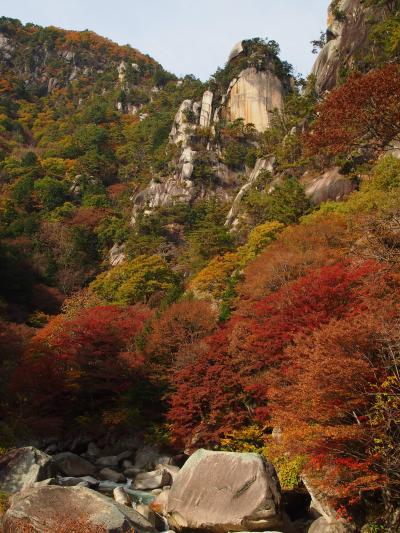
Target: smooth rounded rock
[
  {"x": 225, "y": 491},
  {"x": 66, "y": 509}
]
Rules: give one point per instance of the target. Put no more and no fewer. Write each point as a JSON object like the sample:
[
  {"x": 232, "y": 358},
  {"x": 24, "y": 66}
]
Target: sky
[{"x": 186, "y": 36}]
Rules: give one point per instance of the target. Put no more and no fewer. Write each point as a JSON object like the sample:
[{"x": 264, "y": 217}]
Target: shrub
[{"x": 135, "y": 281}]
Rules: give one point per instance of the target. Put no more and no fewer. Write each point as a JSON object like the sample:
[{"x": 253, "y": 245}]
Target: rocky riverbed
[{"x": 129, "y": 486}]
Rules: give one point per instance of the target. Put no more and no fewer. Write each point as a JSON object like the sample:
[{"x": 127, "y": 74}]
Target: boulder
[
  {"x": 66, "y": 509},
  {"x": 22, "y": 467},
  {"x": 120, "y": 496},
  {"x": 112, "y": 475},
  {"x": 170, "y": 470},
  {"x": 131, "y": 472},
  {"x": 332, "y": 185},
  {"x": 155, "y": 520},
  {"x": 148, "y": 457},
  {"x": 159, "y": 505},
  {"x": 236, "y": 51},
  {"x": 113, "y": 460},
  {"x": 73, "y": 465},
  {"x": 152, "y": 480},
  {"x": 322, "y": 525},
  {"x": 225, "y": 491}
]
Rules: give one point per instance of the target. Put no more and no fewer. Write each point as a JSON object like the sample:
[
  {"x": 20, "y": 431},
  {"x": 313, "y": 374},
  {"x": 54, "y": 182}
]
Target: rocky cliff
[
  {"x": 255, "y": 91},
  {"x": 252, "y": 96},
  {"x": 46, "y": 59},
  {"x": 351, "y": 40}
]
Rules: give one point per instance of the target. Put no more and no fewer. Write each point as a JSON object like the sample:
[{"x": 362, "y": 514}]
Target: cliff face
[
  {"x": 349, "y": 25},
  {"x": 255, "y": 90},
  {"x": 252, "y": 97}
]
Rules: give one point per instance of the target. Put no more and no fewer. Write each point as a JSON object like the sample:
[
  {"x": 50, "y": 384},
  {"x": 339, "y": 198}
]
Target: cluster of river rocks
[{"x": 143, "y": 490}]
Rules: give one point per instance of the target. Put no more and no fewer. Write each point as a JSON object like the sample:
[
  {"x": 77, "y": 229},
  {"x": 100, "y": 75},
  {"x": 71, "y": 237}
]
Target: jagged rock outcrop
[
  {"x": 252, "y": 97},
  {"x": 206, "y": 109},
  {"x": 348, "y": 26},
  {"x": 225, "y": 491},
  {"x": 117, "y": 254},
  {"x": 180, "y": 127},
  {"x": 260, "y": 166}
]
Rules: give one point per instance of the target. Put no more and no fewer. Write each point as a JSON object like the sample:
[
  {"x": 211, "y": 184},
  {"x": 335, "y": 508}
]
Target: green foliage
[
  {"x": 380, "y": 191},
  {"x": 285, "y": 204},
  {"x": 50, "y": 192},
  {"x": 135, "y": 281},
  {"x": 235, "y": 154}
]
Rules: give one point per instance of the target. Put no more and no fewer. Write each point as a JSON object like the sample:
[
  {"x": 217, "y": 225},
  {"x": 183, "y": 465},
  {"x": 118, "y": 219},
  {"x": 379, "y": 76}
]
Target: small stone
[
  {"x": 151, "y": 480},
  {"x": 120, "y": 496},
  {"x": 132, "y": 472}
]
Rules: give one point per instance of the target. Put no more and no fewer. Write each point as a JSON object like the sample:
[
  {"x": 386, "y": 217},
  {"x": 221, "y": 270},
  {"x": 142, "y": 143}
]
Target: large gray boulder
[
  {"x": 65, "y": 509},
  {"x": 225, "y": 491},
  {"x": 73, "y": 465},
  {"x": 22, "y": 467}
]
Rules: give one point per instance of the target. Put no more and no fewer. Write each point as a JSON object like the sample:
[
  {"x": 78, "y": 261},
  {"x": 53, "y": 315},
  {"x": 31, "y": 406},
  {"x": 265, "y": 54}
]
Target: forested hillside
[{"x": 208, "y": 273}]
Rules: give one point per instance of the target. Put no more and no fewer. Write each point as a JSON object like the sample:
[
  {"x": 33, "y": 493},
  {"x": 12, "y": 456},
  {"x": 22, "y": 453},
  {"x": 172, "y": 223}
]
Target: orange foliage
[{"x": 296, "y": 249}]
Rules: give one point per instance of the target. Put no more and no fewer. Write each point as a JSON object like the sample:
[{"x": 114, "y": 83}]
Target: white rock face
[
  {"x": 253, "y": 96},
  {"x": 121, "y": 71},
  {"x": 117, "y": 254},
  {"x": 179, "y": 128},
  {"x": 206, "y": 109}
]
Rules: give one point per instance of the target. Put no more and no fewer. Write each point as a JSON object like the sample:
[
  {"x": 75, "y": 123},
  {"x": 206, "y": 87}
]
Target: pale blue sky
[{"x": 186, "y": 36}]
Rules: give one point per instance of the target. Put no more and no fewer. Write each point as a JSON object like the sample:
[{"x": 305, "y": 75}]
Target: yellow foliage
[
  {"x": 213, "y": 279},
  {"x": 258, "y": 239}
]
